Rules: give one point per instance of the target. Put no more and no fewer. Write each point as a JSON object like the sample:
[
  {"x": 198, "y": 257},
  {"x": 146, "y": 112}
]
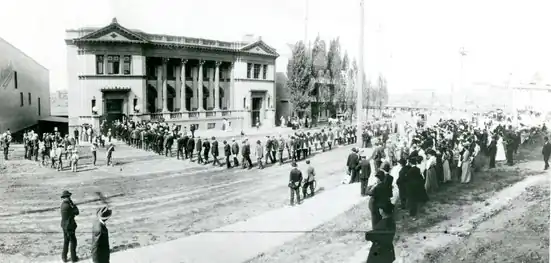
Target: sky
[{"x": 414, "y": 44}]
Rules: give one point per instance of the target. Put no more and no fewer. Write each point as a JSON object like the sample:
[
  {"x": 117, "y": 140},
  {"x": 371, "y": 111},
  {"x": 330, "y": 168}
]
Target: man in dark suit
[
  {"x": 206, "y": 150},
  {"x": 198, "y": 147},
  {"x": 227, "y": 153},
  {"x": 235, "y": 152},
  {"x": 246, "y": 152},
  {"x": 190, "y": 146},
  {"x": 402, "y": 182},
  {"x": 365, "y": 172},
  {"x": 100, "y": 237},
  {"x": 68, "y": 212},
  {"x": 382, "y": 236},
  {"x": 295, "y": 178},
  {"x": 546, "y": 151},
  {"x": 185, "y": 140},
  {"x": 352, "y": 164},
  {"x": 215, "y": 152},
  {"x": 492, "y": 151},
  {"x": 180, "y": 148}
]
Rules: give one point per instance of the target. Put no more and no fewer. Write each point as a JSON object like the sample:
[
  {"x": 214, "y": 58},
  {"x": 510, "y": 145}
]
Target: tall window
[
  {"x": 93, "y": 104},
  {"x": 249, "y": 68},
  {"x": 205, "y": 73},
  {"x": 170, "y": 72},
  {"x": 256, "y": 71},
  {"x": 29, "y": 98},
  {"x": 113, "y": 64},
  {"x": 264, "y": 71},
  {"x": 135, "y": 104},
  {"x": 15, "y": 79},
  {"x": 188, "y": 72},
  {"x": 99, "y": 64},
  {"x": 244, "y": 102},
  {"x": 38, "y": 106},
  {"x": 127, "y": 63},
  {"x": 21, "y": 98}
]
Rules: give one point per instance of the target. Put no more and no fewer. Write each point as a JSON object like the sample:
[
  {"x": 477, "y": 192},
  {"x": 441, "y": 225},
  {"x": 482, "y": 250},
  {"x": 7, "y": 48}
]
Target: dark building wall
[{"x": 283, "y": 105}]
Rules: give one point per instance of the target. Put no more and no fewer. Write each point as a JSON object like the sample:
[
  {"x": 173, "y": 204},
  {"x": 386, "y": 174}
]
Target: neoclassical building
[{"x": 117, "y": 73}]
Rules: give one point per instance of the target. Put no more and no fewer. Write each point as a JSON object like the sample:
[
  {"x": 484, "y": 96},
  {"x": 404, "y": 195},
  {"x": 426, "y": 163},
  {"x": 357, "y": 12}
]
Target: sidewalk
[{"x": 245, "y": 240}]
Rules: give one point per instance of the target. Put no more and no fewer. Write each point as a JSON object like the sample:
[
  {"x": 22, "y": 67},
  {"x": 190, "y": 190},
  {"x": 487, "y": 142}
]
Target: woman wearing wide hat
[{"x": 100, "y": 236}]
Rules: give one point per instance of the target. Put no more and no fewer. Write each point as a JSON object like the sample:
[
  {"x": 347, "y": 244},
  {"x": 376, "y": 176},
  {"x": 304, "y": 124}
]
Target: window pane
[
  {"x": 249, "y": 67},
  {"x": 21, "y": 98},
  {"x": 127, "y": 65},
  {"x": 264, "y": 71},
  {"x": 99, "y": 64},
  {"x": 256, "y": 72},
  {"x": 29, "y": 98}
]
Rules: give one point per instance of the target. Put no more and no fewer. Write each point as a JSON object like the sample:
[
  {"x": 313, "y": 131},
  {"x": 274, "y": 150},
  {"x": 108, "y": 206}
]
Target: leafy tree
[
  {"x": 319, "y": 58},
  {"x": 345, "y": 62},
  {"x": 299, "y": 73}
]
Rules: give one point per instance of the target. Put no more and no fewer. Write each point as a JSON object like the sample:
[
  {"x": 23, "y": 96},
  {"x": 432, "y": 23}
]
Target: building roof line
[{"x": 27, "y": 55}]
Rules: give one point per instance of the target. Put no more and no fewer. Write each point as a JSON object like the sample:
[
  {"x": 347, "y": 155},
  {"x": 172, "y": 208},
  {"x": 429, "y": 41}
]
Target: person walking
[
  {"x": 295, "y": 178},
  {"x": 100, "y": 237},
  {"x": 309, "y": 182},
  {"x": 382, "y": 236},
  {"x": 365, "y": 172},
  {"x": 68, "y": 224},
  {"x": 546, "y": 151}
]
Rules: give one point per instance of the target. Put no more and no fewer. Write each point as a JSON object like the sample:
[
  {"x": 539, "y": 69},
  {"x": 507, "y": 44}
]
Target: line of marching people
[{"x": 163, "y": 139}]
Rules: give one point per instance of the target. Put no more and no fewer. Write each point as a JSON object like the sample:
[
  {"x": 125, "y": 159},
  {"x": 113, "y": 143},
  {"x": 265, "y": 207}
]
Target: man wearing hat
[
  {"x": 68, "y": 212},
  {"x": 100, "y": 236},
  {"x": 352, "y": 164},
  {"x": 235, "y": 152}
]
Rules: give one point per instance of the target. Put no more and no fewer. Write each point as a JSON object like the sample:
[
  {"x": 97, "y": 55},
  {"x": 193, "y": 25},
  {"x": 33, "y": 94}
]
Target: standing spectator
[
  {"x": 295, "y": 178},
  {"x": 68, "y": 213},
  {"x": 259, "y": 154},
  {"x": 546, "y": 151},
  {"x": 100, "y": 237}
]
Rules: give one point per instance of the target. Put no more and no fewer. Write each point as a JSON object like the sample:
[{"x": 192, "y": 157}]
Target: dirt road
[{"x": 154, "y": 199}]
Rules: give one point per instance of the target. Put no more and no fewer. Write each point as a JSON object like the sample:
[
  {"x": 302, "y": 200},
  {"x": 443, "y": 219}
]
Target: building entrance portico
[{"x": 174, "y": 79}]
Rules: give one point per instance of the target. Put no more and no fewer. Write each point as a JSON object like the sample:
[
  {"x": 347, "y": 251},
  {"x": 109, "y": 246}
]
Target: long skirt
[
  {"x": 466, "y": 172},
  {"x": 447, "y": 171},
  {"x": 431, "y": 180}
]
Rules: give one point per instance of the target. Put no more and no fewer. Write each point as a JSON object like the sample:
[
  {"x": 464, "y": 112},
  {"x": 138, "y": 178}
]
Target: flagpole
[{"x": 361, "y": 74}]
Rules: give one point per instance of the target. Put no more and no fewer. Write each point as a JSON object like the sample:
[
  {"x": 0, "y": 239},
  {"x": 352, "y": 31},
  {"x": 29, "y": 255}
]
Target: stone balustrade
[{"x": 190, "y": 115}]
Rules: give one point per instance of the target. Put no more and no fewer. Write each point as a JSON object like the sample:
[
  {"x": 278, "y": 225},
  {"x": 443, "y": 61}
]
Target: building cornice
[
  {"x": 112, "y": 77},
  {"x": 254, "y": 80}
]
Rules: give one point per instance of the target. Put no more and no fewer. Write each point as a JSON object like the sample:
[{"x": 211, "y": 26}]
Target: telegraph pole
[{"x": 361, "y": 74}]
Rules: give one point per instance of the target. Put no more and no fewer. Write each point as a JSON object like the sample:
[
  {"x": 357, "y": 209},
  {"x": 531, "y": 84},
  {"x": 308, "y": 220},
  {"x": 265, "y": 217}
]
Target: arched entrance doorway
[
  {"x": 170, "y": 97},
  {"x": 206, "y": 94},
  {"x": 189, "y": 96},
  {"x": 151, "y": 98},
  {"x": 221, "y": 97}
]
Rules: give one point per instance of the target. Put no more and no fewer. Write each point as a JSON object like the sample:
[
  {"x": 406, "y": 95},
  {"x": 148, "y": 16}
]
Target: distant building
[
  {"x": 283, "y": 96},
  {"x": 117, "y": 73},
  {"x": 59, "y": 103},
  {"x": 24, "y": 89}
]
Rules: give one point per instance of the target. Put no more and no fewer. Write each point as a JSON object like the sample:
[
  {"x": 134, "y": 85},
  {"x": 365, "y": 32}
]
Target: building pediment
[
  {"x": 114, "y": 32},
  {"x": 261, "y": 48}
]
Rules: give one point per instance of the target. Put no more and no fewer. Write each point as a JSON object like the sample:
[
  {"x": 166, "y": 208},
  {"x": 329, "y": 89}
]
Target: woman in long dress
[
  {"x": 466, "y": 167},
  {"x": 431, "y": 178},
  {"x": 446, "y": 155},
  {"x": 500, "y": 155}
]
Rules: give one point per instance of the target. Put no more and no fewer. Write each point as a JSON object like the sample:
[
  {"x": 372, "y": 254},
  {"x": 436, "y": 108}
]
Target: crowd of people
[{"x": 414, "y": 162}]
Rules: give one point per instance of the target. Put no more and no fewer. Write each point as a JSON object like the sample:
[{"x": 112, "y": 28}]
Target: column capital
[
  {"x": 218, "y": 63},
  {"x": 201, "y": 62},
  {"x": 183, "y": 61},
  {"x": 165, "y": 60}
]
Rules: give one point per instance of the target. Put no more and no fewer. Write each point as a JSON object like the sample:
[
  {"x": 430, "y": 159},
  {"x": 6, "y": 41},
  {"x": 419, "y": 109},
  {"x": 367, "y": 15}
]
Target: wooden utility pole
[{"x": 361, "y": 73}]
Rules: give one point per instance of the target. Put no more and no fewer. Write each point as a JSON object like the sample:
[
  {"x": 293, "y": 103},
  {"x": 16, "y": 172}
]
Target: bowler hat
[
  {"x": 65, "y": 194},
  {"x": 104, "y": 213}
]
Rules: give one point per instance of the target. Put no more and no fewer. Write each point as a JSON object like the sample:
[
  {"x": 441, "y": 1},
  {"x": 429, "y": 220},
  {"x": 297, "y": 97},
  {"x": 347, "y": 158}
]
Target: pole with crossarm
[{"x": 361, "y": 74}]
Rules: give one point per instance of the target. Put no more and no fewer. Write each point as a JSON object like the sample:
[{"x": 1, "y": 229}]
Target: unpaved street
[{"x": 154, "y": 199}]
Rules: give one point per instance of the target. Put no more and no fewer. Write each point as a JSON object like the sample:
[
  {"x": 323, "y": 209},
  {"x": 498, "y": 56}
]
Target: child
[
  {"x": 74, "y": 160},
  {"x": 110, "y": 151},
  {"x": 94, "y": 149}
]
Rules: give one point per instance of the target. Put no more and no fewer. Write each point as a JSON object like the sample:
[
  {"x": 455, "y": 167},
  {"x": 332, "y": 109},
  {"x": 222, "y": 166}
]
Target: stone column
[
  {"x": 165, "y": 91},
  {"x": 217, "y": 85},
  {"x": 210, "y": 101},
  {"x": 183, "y": 86},
  {"x": 200, "y": 86},
  {"x": 194, "y": 88},
  {"x": 231, "y": 88},
  {"x": 158, "y": 88}
]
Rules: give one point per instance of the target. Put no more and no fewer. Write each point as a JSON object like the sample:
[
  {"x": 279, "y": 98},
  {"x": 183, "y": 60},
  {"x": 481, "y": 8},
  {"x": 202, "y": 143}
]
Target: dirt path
[
  {"x": 519, "y": 233},
  {"x": 341, "y": 239}
]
